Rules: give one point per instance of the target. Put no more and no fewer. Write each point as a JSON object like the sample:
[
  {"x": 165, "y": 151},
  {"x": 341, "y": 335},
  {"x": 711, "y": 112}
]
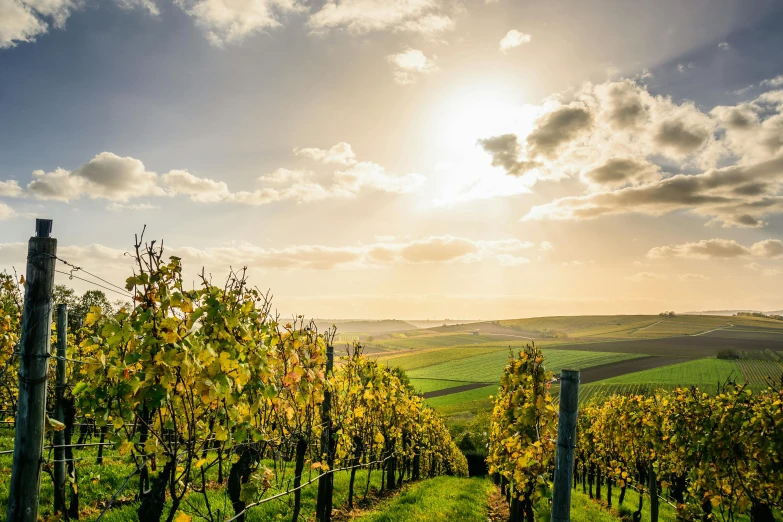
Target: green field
[
  {"x": 441, "y": 358},
  {"x": 479, "y": 395},
  {"x": 488, "y": 367},
  {"x": 430, "y": 357},
  {"x": 428, "y": 385},
  {"x": 692, "y": 373}
]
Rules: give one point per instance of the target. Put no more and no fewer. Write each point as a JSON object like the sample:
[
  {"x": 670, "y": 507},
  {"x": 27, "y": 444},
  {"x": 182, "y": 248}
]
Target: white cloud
[
  {"x": 119, "y": 179},
  {"x": 545, "y": 246},
  {"x": 363, "y": 16},
  {"x": 769, "y": 248},
  {"x": 120, "y": 207},
  {"x": 282, "y": 176},
  {"x": 410, "y": 65},
  {"x": 105, "y": 176},
  {"x": 512, "y": 260},
  {"x": 148, "y": 5},
  {"x": 10, "y": 189},
  {"x": 203, "y": 190},
  {"x": 647, "y": 154},
  {"x": 25, "y": 20},
  {"x": 18, "y": 23},
  {"x": 724, "y": 46},
  {"x": 646, "y": 276},
  {"x": 373, "y": 176},
  {"x": 773, "y": 82},
  {"x": 513, "y": 39},
  {"x": 342, "y": 154},
  {"x": 719, "y": 248},
  {"x": 427, "y": 250},
  {"x": 682, "y": 67},
  {"x": 231, "y": 21},
  {"x": 6, "y": 212},
  {"x": 298, "y": 192},
  {"x": 692, "y": 277}
]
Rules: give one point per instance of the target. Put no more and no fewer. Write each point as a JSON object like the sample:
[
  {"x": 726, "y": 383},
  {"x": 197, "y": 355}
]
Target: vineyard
[
  {"x": 707, "y": 456},
  {"x": 200, "y": 405}
]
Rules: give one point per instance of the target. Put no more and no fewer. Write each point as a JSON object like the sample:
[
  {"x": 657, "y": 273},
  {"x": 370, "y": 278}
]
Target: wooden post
[
  {"x": 59, "y": 411},
  {"x": 653, "y": 494},
  {"x": 566, "y": 441},
  {"x": 323, "y": 508},
  {"x": 23, "y": 493}
]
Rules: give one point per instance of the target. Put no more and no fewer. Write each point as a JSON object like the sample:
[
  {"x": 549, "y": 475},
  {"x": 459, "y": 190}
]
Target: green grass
[
  {"x": 422, "y": 358},
  {"x": 584, "y": 510},
  {"x": 464, "y": 397},
  {"x": 760, "y": 372},
  {"x": 97, "y": 484},
  {"x": 700, "y": 372},
  {"x": 489, "y": 367},
  {"x": 428, "y": 385},
  {"x": 436, "y": 500}
]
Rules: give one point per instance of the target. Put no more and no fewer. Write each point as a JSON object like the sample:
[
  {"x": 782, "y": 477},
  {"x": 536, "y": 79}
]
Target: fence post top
[
  {"x": 569, "y": 375},
  {"x": 43, "y": 227}
]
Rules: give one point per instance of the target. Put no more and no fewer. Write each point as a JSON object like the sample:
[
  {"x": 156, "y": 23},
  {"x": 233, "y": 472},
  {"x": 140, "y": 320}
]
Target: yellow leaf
[
  {"x": 92, "y": 318},
  {"x": 54, "y": 425},
  {"x": 182, "y": 517},
  {"x": 200, "y": 462},
  {"x": 221, "y": 433}
]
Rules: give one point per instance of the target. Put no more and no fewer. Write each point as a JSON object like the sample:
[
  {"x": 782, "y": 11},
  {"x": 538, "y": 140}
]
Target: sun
[{"x": 474, "y": 110}]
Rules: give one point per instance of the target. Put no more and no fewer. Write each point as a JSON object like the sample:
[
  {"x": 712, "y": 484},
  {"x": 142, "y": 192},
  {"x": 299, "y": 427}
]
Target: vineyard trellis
[
  {"x": 217, "y": 405},
  {"x": 710, "y": 456}
]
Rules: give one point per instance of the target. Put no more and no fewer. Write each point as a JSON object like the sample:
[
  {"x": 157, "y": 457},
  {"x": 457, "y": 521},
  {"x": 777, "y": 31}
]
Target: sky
[{"x": 414, "y": 159}]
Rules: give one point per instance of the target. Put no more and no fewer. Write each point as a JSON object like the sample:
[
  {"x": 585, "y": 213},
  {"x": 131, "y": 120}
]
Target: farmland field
[
  {"x": 699, "y": 373},
  {"x": 439, "y": 340},
  {"x": 429, "y": 357},
  {"x": 430, "y": 385},
  {"x": 617, "y": 354},
  {"x": 489, "y": 367},
  {"x": 760, "y": 371}
]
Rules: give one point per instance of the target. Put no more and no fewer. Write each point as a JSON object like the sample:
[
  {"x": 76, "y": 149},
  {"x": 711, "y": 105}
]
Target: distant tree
[
  {"x": 466, "y": 444},
  {"x": 728, "y": 353},
  {"x": 78, "y": 307},
  {"x": 67, "y": 296}
]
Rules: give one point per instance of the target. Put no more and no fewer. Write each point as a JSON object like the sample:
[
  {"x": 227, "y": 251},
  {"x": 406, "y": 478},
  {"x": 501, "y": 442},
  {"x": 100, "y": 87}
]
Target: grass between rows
[
  {"x": 97, "y": 484},
  {"x": 436, "y": 500}
]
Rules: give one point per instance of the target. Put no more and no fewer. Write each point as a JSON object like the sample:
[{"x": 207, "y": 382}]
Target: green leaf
[{"x": 80, "y": 388}]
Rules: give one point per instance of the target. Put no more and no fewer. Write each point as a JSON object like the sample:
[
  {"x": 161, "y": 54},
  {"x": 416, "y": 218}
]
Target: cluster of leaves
[
  {"x": 10, "y": 334},
  {"x": 717, "y": 455},
  {"x": 187, "y": 380},
  {"x": 523, "y": 430}
]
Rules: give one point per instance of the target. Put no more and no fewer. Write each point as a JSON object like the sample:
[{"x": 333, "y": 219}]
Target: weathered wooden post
[
  {"x": 653, "y": 494},
  {"x": 326, "y": 482},
  {"x": 566, "y": 441},
  {"x": 59, "y": 410},
  {"x": 23, "y": 493}
]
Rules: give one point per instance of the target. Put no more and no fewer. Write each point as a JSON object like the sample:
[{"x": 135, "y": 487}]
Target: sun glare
[{"x": 472, "y": 111}]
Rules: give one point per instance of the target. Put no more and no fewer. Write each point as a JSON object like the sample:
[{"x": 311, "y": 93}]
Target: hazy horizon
[{"x": 418, "y": 158}]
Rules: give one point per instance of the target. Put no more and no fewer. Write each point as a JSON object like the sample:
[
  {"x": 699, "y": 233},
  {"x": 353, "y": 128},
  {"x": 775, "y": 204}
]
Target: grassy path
[{"x": 436, "y": 500}]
